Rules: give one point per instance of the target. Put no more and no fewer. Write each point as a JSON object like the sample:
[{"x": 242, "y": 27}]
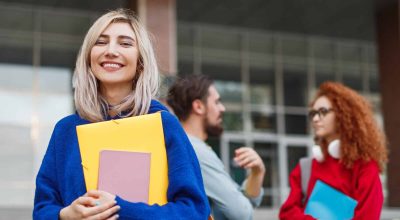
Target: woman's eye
[
  {"x": 127, "y": 44},
  {"x": 100, "y": 42},
  {"x": 324, "y": 111}
]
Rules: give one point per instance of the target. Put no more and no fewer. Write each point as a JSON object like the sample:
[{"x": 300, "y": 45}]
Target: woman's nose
[
  {"x": 316, "y": 117},
  {"x": 112, "y": 51}
]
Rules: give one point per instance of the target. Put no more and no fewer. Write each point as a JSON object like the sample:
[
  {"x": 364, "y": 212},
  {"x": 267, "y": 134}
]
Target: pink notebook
[{"x": 126, "y": 174}]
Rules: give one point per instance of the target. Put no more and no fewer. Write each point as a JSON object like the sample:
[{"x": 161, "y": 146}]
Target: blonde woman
[{"x": 116, "y": 76}]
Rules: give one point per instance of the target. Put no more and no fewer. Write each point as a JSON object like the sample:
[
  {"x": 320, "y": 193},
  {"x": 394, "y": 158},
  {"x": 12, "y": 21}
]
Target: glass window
[
  {"x": 371, "y": 55},
  {"x": 294, "y": 46},
  {"x": 296, "y": 124},
  {"x": 21, "y": 54},
  {"x": 55, "y": 80},
  {"x": 63, "y": 23},
  {"x": 31, "y": 116},
  {"x": 15, "y": 18},
  {"x": 374, "y": 86},
  {"x": 323, "y": 75},
  {"x": 16, "y": 150},
  {"x": 233, "y": 121},
  {"x": 185, "y": 67},
  {"x": 262, "y": 86},
  {"x": 59, "y": 57},
  {"x": 261, "y": 43},
  {"x": 294, "y": 155},
  {"x": 353, "y": 78},
  {"x": 323, "y": 50},
  {"x": 350, "y": 53},
  {"x": 214, "y": 143},
  {"x": 224, "y": 71},
  {"x": 220, "y": 39},
  {"x": 100, "y": 5},
  {"x": 185, "y": 35},
  {"x": 16, "y": 77},
  {"x": 264, "y": 121},
  {"x": 295, "y": 88},
  {"x": 269, "y": 155},
  {"x": 16, "y": 165},
  {"x": 229, "y": 91}
]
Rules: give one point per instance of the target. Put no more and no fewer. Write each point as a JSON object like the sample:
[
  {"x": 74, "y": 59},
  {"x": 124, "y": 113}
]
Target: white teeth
[{"x": 111, "y": 65}]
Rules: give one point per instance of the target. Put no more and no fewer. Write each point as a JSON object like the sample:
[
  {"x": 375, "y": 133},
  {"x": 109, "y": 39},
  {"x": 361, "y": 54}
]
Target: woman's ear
[{"x": 198, "y": 107}]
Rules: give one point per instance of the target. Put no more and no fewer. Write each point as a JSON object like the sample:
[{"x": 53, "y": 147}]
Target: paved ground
[{"x": 260, "y": 214}]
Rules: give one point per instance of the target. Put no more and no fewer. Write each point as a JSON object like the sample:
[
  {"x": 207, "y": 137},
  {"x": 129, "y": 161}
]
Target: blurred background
[{"x": 268, "y": 57}]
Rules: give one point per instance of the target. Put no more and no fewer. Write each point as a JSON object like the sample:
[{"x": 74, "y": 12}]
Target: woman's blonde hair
[{"x": 89, "y": 103}]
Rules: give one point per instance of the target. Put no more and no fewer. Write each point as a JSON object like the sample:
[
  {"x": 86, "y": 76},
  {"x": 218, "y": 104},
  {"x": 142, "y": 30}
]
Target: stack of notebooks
[
  {"x": 328, "y": 203},
  {"x": 126, "y": 157}
]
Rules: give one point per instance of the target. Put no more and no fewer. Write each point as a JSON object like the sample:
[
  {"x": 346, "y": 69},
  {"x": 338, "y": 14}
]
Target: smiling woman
[
  {"x": 116, "y": 76},
  {"x": 116, "y": 48},
  {"x": 113, "y": 60}
]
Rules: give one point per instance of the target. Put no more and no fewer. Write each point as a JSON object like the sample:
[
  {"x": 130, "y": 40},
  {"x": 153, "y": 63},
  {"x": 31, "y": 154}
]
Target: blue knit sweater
[{"x": 60, "y": 179}]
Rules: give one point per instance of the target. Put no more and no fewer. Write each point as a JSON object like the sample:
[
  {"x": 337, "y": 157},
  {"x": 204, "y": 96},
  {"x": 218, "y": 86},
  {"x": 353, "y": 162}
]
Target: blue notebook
[{"x": 328, "y": 203}]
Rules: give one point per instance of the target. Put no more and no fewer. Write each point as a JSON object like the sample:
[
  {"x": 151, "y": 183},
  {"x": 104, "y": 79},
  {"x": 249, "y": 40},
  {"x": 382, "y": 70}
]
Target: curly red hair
[{"x": 360, "y": 136}]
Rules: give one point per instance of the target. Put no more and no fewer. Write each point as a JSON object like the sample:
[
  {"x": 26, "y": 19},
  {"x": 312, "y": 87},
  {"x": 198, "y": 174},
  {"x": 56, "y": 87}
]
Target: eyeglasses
[{"x": 321, "y": 112}]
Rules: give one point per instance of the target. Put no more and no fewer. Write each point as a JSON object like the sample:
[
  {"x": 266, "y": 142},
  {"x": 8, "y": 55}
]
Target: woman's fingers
[
  {"x": 106, "y": 212},
  {"x": 114, "y": 217},
  {"x": 85, "y": 201}
]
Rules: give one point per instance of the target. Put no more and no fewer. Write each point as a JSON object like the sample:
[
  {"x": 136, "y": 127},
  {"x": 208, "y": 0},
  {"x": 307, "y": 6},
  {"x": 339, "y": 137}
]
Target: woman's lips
[{"x": 108, "y": 66}]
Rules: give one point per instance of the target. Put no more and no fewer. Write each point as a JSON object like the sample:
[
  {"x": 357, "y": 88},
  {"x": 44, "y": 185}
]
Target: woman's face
[
  {"x": 322, "y": 119},
  {"x": 114, "y": 56}
]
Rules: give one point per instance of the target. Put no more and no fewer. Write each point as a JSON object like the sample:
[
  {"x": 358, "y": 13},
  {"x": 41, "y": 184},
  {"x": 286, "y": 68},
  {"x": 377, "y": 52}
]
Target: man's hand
[{"x": 248, "y": 158}]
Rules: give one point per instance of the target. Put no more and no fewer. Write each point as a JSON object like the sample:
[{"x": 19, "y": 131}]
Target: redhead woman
[
  {"x": 116, "y": 76},
  {"x": 350, "y": 155}
]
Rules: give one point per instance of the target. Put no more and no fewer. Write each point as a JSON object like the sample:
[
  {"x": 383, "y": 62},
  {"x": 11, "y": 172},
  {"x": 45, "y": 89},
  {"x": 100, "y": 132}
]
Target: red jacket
[{"x": 361, "y": 182}]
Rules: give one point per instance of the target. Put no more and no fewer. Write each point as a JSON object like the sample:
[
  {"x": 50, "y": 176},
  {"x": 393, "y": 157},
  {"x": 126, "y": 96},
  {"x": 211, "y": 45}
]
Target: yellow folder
[{"x": 140, "y": 134}]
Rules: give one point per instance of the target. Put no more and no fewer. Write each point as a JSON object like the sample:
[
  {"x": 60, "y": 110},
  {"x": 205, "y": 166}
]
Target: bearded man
[{"x": 196, "y": 102}]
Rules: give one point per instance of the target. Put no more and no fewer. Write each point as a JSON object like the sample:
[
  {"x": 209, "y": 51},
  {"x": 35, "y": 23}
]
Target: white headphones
[{"x": 333, "y": 150}]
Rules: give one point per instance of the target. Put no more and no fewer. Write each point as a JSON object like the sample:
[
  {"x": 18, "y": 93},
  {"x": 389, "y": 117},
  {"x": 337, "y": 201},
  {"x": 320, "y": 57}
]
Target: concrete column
[
  {"x": 159, "y": 17},
  {"x": 388, "y": 41}
]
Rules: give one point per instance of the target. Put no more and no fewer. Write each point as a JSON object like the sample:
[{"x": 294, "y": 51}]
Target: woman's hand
[
  {"x": 93, "y": 205},
  {"x": 101, "y": 197}
]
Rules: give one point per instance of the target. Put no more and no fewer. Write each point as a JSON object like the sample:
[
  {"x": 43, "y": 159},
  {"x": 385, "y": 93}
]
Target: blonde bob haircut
[{"x": 89, "y": 103}]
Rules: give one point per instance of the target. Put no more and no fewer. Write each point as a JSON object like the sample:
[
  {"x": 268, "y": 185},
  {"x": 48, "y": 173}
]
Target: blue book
[{"x": 328, "y": 203}]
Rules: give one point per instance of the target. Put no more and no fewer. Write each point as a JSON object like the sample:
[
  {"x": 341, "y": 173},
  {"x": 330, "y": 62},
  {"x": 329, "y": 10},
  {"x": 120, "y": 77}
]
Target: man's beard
[{"x": 213, "y": 130}]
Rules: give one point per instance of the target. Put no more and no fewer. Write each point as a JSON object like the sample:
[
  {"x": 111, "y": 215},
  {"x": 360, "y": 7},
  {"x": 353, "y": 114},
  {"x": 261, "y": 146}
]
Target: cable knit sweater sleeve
[
  {"x": 186, "y": 196},
  {"x": 47, "y": 196}
]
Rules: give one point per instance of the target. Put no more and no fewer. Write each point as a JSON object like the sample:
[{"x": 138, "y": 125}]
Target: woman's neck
[
  {"x": 331, "y": 138},
  {"x": 114, "y": 94}
]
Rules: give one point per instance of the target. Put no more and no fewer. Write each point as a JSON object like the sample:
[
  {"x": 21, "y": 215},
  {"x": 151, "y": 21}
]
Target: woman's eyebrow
[
  {"x": 120, "y": 36},
  {"x": 126, "y": 37},
  {"x": 104, "y": 36}
]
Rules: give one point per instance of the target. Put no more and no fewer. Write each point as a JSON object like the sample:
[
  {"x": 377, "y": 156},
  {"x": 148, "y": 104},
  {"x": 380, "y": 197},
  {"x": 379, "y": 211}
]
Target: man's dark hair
[{"x": 185, "y": 90}]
